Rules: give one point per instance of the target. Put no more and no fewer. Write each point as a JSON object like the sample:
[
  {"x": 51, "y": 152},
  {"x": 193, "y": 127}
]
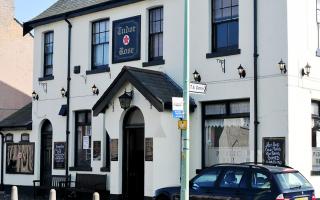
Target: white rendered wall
[{"x": 302, "y": 46}]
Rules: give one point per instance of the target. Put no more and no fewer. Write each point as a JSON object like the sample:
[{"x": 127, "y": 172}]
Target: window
[
  {"x": 100, "y": 44},
  {"x": 226, "y": 132},
  {"x": 232, "y": 179},
  {"x": 156, "y": 34},
  {"x": 83, "y": 139},
  {"x": 315, "y": 135},
  {"x": 260, "y": 181},
  {"x": 225, "y": 24},
  {"x": 48, "y": 54},
  {"x": 206, "y": 180}
]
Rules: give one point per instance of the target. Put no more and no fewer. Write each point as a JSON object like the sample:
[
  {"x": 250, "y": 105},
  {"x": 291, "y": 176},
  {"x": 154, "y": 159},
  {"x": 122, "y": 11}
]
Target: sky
[{"x": 27, "y": 9}]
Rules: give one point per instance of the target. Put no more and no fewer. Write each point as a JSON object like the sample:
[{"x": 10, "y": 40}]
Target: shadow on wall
[{"x": 11, "y": 100}]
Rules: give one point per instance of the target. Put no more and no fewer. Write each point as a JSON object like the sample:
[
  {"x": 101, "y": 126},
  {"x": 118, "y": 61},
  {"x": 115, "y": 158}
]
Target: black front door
[
  {"x": 133, "y": 168},
  {"x": 46, "y": 158}
]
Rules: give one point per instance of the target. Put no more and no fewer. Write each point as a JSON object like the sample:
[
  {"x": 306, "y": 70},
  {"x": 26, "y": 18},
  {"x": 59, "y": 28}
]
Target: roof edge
[{"x": 30, "y": 25}]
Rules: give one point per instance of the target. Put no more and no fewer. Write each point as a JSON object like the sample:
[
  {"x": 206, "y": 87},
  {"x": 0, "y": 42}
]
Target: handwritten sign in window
[{"x": 274, "y": 151}]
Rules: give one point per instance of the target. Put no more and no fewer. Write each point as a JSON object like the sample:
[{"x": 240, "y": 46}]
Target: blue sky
[{"x": 27, "y": 9}]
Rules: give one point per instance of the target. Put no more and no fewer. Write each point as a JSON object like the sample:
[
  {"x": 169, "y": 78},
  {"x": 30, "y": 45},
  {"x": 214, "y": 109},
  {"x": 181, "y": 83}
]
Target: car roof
[{"x": 268, "y": 167}]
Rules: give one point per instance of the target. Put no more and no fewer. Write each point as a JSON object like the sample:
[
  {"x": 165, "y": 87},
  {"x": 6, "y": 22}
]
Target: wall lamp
[
  {"x": 64, "y": 93},
  {"x": 196, "y": 76},
  {"x": 282, "y": 66},
  {"x": 306, "y": 70},
  {"x": 125, "y": 100},
  {"x": 35, "y": 96},
  {"x": 95, "y": 90},
  {"x": 242, "y": 72},
  {"x": 222, "y": 62}
]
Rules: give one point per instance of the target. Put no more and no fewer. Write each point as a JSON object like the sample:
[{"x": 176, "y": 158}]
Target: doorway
[
  {"x": 133, "y": 155},
  {"x": 46, "y": 153}
]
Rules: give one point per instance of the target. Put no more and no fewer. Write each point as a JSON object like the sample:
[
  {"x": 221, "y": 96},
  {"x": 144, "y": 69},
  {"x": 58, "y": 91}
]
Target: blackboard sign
[
  {"x": 274, "y": 151},
  {"x": 149, "y": 149},
  {"x": 126, "y": 39},
  {"x": 114, "y": 149},
  {"x": 59, "y": 155}
]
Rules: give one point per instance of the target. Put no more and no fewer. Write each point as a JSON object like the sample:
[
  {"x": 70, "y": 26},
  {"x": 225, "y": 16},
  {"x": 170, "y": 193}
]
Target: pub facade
[{"x": 105, "y": 73}]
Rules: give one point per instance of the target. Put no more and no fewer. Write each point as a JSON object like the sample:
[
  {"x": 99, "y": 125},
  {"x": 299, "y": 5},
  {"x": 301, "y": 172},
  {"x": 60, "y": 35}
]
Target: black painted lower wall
[{"x": 119, "y": 197}]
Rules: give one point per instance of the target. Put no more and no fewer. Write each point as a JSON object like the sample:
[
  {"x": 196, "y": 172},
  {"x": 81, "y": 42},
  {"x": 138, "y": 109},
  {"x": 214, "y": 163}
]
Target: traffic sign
[
  {"x": 177, "y": 107},
  {"x": 199, "y": 88},
  {"x": 182, "y": 124}
]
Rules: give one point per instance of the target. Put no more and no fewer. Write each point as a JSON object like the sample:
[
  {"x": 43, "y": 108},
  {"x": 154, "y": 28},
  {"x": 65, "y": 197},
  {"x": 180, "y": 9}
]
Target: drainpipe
[
  {"x": 255, "y": 55},
  {"x": 68, "y": 98},
  {"x": 2, "y": 160}
]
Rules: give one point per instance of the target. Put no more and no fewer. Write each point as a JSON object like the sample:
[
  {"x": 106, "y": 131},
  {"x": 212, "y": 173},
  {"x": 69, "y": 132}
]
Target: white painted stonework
[{"x": 286, "y": 30}]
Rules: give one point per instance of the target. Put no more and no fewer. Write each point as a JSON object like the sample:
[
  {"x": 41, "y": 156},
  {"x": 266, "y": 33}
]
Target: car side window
[
  {"x": 260, "y": 181},
  {"x": 207, "y": 179},
  {"x": 232, "y": 178}
]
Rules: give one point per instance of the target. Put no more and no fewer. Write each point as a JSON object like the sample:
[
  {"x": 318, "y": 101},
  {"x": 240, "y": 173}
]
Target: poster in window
[
  {"x": 20, "y": 158},
  {"x": 126, "y": 39},
  {"x": 96, "y": 150},
  {"x": 59, "y": 155},
  {"x": 86, "y": 142},
  {"x": 274, "y": 151},
  {"x": 114, "y": 149},
  {"x": 149, "y": 149}
]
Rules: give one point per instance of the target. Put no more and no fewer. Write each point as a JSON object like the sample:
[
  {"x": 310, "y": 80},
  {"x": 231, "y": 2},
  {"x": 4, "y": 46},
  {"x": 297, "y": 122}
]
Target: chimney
[{"x": 6, "y": 11}]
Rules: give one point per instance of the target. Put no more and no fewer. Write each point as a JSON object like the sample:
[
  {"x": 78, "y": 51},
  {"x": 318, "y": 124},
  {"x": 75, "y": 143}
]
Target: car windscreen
[{"x": 292, "y": 180}]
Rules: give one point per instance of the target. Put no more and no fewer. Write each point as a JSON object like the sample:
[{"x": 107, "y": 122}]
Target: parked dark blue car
[{"x": 245, "y": 181}]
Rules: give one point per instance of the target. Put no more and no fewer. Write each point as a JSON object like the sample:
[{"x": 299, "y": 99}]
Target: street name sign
[{"x": 199, "y": 88}]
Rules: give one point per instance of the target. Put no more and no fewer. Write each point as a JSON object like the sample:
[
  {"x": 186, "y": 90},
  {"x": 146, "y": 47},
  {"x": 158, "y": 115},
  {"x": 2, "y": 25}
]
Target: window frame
[
  {"x": 150, "y": 35},
  {"x": 76, "y": 125},
  {"x": 45, "y": 54},
  {"x": 228, "y": 115},
  {"x": 214, "y": 23},
  {"x": 100, "y": 68}
]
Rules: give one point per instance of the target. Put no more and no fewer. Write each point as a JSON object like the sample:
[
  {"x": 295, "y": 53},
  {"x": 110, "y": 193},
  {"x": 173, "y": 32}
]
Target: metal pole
[{"x": 184, "y": 195}]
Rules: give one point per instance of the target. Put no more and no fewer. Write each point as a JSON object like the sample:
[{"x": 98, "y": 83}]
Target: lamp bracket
[{"x": 222, "y": 62}]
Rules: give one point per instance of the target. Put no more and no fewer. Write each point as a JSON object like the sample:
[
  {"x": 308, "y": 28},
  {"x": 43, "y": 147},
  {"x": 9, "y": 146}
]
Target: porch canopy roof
[
  {"x": 157, "y": 87},
  {"x": 20, "y": 120}
]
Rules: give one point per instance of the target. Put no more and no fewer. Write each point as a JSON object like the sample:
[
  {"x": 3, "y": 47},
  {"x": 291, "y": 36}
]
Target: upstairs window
[
  {"x": 225, "y": 24},
  {"x": 100, "y": 44},
  {"x": 156, "y": 34},
  {"x": 48, "y": 54}
]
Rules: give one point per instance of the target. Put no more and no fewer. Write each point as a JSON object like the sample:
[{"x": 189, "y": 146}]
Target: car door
[
  {"x": 233, "y": 184},
  {"x": 203, "y": 184},
  {"x": 260, "y": 185}
]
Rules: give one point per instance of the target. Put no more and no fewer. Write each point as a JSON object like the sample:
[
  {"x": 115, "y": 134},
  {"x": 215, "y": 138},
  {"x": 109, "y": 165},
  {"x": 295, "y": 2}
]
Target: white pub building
[{"x": 105, "y": 72}]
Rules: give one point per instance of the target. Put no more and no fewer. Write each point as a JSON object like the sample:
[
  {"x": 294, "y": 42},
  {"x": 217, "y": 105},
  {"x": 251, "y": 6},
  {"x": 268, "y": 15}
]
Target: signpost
[{"x": 184, "y": 193}]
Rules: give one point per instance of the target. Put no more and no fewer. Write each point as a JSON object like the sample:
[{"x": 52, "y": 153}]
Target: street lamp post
[{"x": 184, "y": 193}]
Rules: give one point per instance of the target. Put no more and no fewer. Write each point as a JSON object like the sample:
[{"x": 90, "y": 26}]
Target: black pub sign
[{"x": 126, "y": 39}]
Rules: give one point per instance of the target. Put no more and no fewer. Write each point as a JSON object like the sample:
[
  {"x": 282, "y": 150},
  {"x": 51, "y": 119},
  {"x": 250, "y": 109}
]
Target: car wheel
[{"x": 162, "y": 197}]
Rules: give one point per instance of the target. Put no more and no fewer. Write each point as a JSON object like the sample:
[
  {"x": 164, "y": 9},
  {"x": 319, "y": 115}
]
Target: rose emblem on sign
[{"x": 126, "y": 40}]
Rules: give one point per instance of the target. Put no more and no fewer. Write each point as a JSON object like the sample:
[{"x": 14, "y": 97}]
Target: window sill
[
  {"x": 98, "y": 71},
  {"x": 153, "y": 63},
  {"x": 315, "y": 173},
  {"x": 47, "y": 78},
  {"x": 83, "y": 169},
  {"x": 221, "y": 53},
  {"x": 105, "y": 169}
]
